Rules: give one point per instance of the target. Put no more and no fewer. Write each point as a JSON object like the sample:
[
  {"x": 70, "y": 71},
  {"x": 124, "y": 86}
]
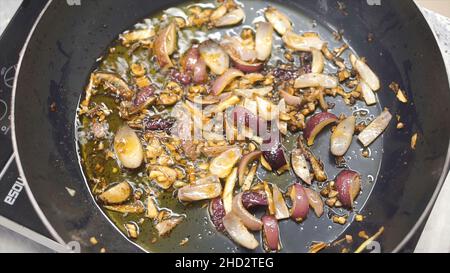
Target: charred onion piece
[
  {"x": 316, "y": 80},
  {"x": 279, "y": 20},
  {"x": 224, "y": 163},
  {"x": 300, "y": 166},
  {"x": 300, "y": 202},
  {"x": 117, "y": 194},
  {"x": 271, "y": 232},
  {"x": 216, "y": 213},
  {"x": 315, "y": 202},
  {"x": 250, "y": 221},
  {"x": 348, "y": 185},
  {"x": 316, "y": 124},
  {"x": 214, "y": 56},
  {"x": 231, "y": 18},
  {"x": 342, "y": 136},
  {"x": 165, "y": 45},
  {"x": 375, "y": 128},
  {"x": 263, "y": 40},
  {"x": 221, "y": 82},
  {"x": 247, "y": 159},
  {"x": 303, "y": 42},
  {"x": 128, "y": 148},
  {"x": 237, "y": 231}
]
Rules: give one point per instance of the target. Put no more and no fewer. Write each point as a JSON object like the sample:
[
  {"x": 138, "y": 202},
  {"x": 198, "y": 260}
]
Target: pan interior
[{"x": 197, "y": 227}]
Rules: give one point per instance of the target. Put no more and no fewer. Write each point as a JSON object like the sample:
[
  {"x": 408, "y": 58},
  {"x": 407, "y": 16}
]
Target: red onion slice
[
  {"x": 224, "y": 80},
  {"x": 300, "y": 202},
  {"x": 216, "y": 213},
  {"x": 315, "y": 202},
  {"x": 271, "y": 232},
  {"x": 247, "y": 159},
  {"x": 316, "y": 124},
  {"x": 281, "y": 210},
  {"x": 348, "y": 185},
  {"x": 342, "y": 137},
  {"x": 300, "y": 166},
  {"x": 375, "y": 128},
  {"x": 263, "y": 40},
  {"x": 214, "y": 56},
  {"x": 252, "y": 199},
  {"x": 250, "y": 221},
  {"x": 291, "y": 99},
  {"x": 237, "y": 231},
  {"x": 279, "y": 20},
  {"x": 165, "y": 45},
  {"x": 365, "y": 72},
  {"x": 247, "y": 67}
]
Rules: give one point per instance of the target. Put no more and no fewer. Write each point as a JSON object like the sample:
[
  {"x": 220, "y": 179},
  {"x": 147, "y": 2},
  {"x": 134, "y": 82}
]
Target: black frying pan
[{"x": 61, "y": 52}]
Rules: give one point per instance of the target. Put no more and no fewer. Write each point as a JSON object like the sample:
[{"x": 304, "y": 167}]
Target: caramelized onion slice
[
  {"x": 281, "y": 210},
  {"x": 200, "y": 191},
  {"x": 316, "y": 80},
  {"x": 165, "y": 45},
  {"x": 348, "y": 185},
  {"x": 342, "y": 137},
  {"x": 228, "y": 190},
  {"x": 300, "y": 202},
  {"x": 128, "y": 148},
  {"x": 279, "y": 20},
  {"x": 237, "y": 231},
  {"x": 117, "y": 194},
  {"x": 318, "y": 62},
  {"x": 291, "y": 99},
  {"x": 250, "y": 221},
  {"x": 215, "y": 57},
  {"x": 224, "y": 163},
  {"x": 303, "y": 42},
  {"x": 263, "y": 40},
  {"x": 315, "y": 202},
  {"x": 300, "y": 166},
  {"x": 231, "y": 18},
  {"x": 247, "y": 159},
  {"x": 365, "y": 73},
  {"x": 271, "y": 233},
  {"x": 375, "y": 128},
  {"x": 221, "y": 82},
  {"x": 367, "y": 93}
]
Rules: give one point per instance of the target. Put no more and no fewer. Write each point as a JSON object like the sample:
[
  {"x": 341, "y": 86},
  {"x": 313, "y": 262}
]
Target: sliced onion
[
  {"x": 318, "y": 61},
  {"x": 365, "y": 72},
  {"x": 316, "y": 80},
  {"x": 197, "y": 192},
  {"x": 316, "y": 124},
  {"x": 291, "y": 99},
  {"x": 348, "y": 185},
  {"x": 224, "y": 163},
  {"x": 266, "y": 109},
  {"x": 250, "y": 93},
  {"x": 315, "y": 202},
  {"x": 273, "y": 152},
  {"x": 375, "y": 128},
  {"x": 300, "y": 203},
  {"x": 215, "y": 57},
  {"x": 117, "y": 194},
  {"x": 300, "y": 166},
  {"x": 342, "y": 137},
  {"x": 216, "y": 213},
  {"x": 234, "y": 46},
  {"x": 228, "y": 190},
  {"x": 271, "y": 232},
  {"x": 279, "y": 20},
  {"x": 165, "y": 45},
  {"x": 247, "y": 67},
  {"x": 221, "y": 82},
  {"x": 303, "y": 42},
  {"x": 247, "y": 159},
  {"x": 243, "y": 116},
  {"x": 231, "y": 18},
  {"x": 128, "y": 148},
  {"x": 263, "y": 40},
  {"x": 237, "y": 231},
  {"x": 367, "y": 93},
  {"x": 281, "y": 210},
  {"x": 252, "y": 199},
  {"x": 250, "y": 221}
]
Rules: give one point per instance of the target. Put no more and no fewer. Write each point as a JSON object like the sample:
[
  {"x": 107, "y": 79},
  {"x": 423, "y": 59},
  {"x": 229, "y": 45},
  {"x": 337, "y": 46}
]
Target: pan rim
[{"x": 59, "y": 239}]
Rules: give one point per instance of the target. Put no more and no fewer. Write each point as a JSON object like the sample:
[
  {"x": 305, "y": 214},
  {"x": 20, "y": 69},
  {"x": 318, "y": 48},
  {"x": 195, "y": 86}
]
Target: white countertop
[{"x": 436, "y": 235}]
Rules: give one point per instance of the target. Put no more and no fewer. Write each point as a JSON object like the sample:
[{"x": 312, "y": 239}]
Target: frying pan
[{"x": 61, "y": 52}]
